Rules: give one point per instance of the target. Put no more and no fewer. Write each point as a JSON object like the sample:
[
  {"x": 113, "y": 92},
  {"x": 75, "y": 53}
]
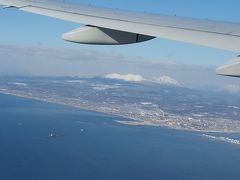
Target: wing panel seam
[{"x": 173, "y": 27}]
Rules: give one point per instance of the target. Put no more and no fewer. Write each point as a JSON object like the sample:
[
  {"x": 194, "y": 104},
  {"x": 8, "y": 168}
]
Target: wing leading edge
[{"x": 107, "y": 22}]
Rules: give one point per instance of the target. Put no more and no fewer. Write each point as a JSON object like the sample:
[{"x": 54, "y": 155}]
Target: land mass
[{"x": 143, "y": 103}]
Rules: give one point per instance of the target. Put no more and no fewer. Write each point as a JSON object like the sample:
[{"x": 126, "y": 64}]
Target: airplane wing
[{"x": 113, "y": 26}]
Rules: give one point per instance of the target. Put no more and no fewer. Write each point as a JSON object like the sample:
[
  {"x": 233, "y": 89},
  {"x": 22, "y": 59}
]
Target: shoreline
[{"x": 131, "y": 122}]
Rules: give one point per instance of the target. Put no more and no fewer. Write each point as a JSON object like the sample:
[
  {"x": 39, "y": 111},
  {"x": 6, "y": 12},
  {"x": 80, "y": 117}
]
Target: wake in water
[{"x": 223, "y": 139}]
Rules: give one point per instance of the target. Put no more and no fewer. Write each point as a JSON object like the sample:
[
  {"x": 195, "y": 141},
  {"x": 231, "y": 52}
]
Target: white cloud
[
  {"x": 166, "y": 80},
  {"x": 76, "y": 81},
  {"x": 19, "y": 84},
  {"x": 102, "y": 87},
  {"x": 233, "y": 88},
  {"x": 126, "y": 77},
  {"x": 94, "y": 62}
]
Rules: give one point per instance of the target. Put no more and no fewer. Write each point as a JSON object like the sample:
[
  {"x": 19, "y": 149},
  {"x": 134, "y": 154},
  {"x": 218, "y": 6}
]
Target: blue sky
[
  {"x": 31, "y": 45},
  {"x": 19, "y": 28}
]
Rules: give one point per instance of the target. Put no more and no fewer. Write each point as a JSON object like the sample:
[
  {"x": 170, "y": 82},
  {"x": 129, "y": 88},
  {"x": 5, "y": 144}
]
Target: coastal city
[{"x": 134, "y": 103}]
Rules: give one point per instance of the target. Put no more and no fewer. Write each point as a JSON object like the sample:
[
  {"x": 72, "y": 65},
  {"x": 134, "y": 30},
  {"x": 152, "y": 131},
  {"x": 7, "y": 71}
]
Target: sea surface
[{"x": 87, "y": 145}]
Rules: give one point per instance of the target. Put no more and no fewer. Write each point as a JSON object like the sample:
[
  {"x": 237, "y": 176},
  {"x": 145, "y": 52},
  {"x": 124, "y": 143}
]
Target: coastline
[{"x": 131, "y": 122}]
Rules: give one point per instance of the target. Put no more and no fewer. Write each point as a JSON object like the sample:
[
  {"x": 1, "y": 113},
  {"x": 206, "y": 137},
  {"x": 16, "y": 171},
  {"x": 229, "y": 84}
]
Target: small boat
[{"x": 52, "y": 135}]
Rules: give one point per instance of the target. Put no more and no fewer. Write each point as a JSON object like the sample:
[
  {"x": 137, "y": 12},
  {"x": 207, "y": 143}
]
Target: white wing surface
[{"x": 113, "y": 26}]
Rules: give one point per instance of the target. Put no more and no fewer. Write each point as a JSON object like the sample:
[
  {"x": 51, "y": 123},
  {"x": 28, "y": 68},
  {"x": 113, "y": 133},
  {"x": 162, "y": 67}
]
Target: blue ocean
[{"x": 44, "y": 141}]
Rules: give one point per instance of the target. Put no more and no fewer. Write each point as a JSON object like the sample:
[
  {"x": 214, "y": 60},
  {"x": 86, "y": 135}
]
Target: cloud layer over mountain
[
  {"x": 166, "y": 80},
  {"x": 45, "y": 61},
  {"x": 163, "y": 80},
  {"x": 126, "y": 77}
]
